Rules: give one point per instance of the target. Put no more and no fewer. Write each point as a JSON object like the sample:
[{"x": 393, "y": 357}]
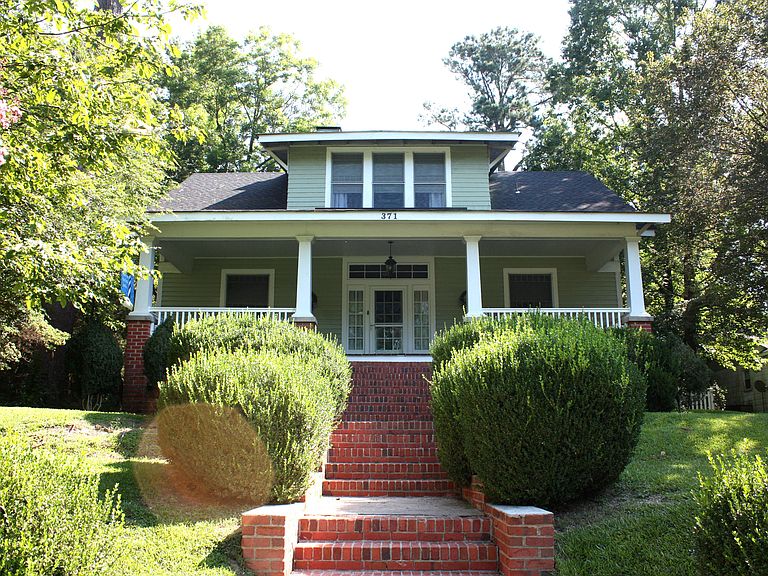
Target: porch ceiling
[{"x": 182, "y": 252}]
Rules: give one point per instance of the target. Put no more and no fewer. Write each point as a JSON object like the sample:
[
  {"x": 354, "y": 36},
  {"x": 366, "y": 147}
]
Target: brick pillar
[
  {"x": 135, "y": 396},
  {"x": 642, "y": 324},
  {"x": 311, "y": 326}
]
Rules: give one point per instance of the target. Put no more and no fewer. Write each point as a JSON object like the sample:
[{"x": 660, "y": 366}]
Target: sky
[{"x": 388, "y": 56}]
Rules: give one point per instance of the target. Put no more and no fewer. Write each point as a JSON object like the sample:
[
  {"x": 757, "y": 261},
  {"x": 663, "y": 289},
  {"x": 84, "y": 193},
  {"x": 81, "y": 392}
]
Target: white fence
[
  {"x": 705, "y": 401},
  {"x": 183, "y": 315},
  {"x": 602, "y": 317}
]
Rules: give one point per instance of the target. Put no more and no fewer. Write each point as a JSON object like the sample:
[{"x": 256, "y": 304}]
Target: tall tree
[
  {"x": 666, "y": 102},
  {"x": 230, "y": 92},
  {"x": 83, "y": 156},
  {"x": 504, "y": 70}
]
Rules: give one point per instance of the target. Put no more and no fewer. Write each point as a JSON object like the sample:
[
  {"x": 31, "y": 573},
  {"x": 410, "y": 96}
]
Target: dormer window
[{"x": 388, "y": 178}]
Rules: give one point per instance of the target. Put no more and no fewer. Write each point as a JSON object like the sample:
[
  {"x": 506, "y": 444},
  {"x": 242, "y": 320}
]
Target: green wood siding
[
  {"x": 326, "y": 284},
  {"x": 576, "y": 286},
  {"x": 450, "y": 282},
  {"x": 469, "y": 177},
  {"x": 202, "y": 286},
  {"x": 306, "y": 177}
]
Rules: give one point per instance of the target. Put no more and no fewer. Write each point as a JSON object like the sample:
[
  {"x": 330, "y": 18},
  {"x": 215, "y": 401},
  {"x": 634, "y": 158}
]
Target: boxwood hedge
[
  {"x": 289, "y": 404},
  {"x": 546, "y": 411}
]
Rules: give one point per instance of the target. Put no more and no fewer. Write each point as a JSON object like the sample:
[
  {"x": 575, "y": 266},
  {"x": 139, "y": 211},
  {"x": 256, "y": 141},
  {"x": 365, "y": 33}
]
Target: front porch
[{"x": 346, "y": 290}]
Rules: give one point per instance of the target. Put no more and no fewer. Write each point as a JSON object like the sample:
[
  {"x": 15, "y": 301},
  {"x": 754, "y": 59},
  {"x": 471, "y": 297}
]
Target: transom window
[
  {"x": 380, "y": 271},
  {"x": 382, "y": 178},
  {"x": 535, "y": 288}
]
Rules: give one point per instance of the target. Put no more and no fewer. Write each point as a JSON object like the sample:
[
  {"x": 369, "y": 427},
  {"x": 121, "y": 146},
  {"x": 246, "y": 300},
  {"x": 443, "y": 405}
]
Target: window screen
[
  {"x": 530, "y": 291},
  {"x": 347, "y": 180},
  {"x": 247, "y": 291},
  {"x": 429, "y": 180},
  {"x": 388, "y": 180}
]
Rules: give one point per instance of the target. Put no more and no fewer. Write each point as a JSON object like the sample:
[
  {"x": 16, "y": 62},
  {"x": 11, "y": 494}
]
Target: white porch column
[
  {"x": 474, "y": 292},
  {"x": 635, "y": 298},
  {"x": 304, "y": 282},
  {"x": 144, "y": 286}
]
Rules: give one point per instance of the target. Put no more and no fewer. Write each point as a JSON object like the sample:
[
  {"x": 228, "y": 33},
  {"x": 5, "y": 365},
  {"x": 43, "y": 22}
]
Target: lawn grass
[
  {"x": 165, "y": 534},
  {"x": 643, "y": 525},
  {"x": 640, "y": 527}
]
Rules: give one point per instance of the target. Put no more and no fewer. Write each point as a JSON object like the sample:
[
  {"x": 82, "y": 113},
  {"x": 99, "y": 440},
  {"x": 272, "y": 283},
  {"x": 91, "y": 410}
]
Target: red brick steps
[
  {"x": 388, "y": 470},
  {"x": 396, "y": 555},
  {"x": 424, "y": 528},
  {"x": 388, "y": 573},
  {"x": 384, "y": 487}
]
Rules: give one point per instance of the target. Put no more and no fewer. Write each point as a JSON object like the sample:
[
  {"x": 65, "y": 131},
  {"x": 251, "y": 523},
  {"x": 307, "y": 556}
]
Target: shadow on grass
[{"x": 228, "y": 554}]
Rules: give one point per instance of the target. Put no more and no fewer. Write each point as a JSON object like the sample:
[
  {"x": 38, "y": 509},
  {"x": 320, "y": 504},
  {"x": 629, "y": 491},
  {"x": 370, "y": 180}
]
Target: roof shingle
[{"x": 229, "y": 191}]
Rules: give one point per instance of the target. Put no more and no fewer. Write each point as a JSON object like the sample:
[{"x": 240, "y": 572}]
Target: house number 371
[{"x": 389, "y": 215}]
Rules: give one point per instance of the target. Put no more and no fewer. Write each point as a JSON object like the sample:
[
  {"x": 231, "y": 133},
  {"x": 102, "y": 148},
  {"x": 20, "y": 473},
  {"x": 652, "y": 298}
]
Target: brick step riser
[
  {"x": 397, "y": 528},
  {"x": 439, "y": 556},
  {"x": 389, "y": 454},
  {"x": 382, "y": 487},
  {"x": 331, "y": 475},
  {"x": 355, "y": 444},
  {"x": 383, "y": 417},
  {"x": 388, "y": 573},
  {"x": 387, "y": 439},
  {"x": 397, "y": 427},
  {"x": 388, "y": 399},
  {"x": 394, "y": 409}
]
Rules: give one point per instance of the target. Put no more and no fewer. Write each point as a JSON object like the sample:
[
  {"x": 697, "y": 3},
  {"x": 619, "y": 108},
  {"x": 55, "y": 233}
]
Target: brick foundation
[
  {"x": 312, "y": 326},
  {"x": 135, "y": 397},
  {"x": 645, "y": 325},
  {"x": 270, "y": 534},
  {"x": 525, "y": 535}
]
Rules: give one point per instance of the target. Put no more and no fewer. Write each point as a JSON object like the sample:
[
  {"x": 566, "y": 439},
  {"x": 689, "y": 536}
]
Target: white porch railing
[
  {"x": 183, "y": 315},
  {"x": 602, "y": 317}
]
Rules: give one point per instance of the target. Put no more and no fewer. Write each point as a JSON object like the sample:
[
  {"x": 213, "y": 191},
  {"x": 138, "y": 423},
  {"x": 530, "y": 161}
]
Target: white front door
[{"x": 388, "y": 319}]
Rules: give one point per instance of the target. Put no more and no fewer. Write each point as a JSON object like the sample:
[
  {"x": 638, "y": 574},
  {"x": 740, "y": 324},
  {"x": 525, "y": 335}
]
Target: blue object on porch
[{"x": 128, "y": 286}]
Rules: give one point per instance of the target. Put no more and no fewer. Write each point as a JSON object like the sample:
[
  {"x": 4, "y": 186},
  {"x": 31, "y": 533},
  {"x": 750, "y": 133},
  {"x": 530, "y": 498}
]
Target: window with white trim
[
  {"x": 247, "y": 291},
  {"x": 387, "y": 179},
  {"x": 530, "y": 290},
  {"x": 347, "y": 181}
]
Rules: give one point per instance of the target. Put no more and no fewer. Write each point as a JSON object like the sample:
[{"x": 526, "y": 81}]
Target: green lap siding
[
  {"x": 202, "y": 286},
  {"x": 469, "y": 177},
  {"x": 450, "y": 282},
  {"x": 306, "y": 180},
  {"x": 326, "y": 284}
]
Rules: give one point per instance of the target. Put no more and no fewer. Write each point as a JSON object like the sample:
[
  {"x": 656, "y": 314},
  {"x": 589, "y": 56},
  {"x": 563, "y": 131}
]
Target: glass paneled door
[{"x": 388, "y": 324}]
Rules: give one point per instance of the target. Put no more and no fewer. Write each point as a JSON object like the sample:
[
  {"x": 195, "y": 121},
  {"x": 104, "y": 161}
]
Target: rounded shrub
[
  {"x": 731, "y": 527},
  {"x": 52, "y": 519},
  {"x": 233, "y": 332},
  {"x": 547, "y": 411},
  {"x": 288, "y": 404}
]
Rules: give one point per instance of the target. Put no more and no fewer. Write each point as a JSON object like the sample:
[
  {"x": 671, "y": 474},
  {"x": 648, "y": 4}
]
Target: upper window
[
  {"x": 429, "y": 180},
  {"x": 388, "y": 179},
  {"x": 347, "y": 181},
  {"x": 530, "y": 288}
]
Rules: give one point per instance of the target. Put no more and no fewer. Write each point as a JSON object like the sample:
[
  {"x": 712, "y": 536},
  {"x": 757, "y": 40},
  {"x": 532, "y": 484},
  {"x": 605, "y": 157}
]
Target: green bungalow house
[{"x": 381, "y": 238}]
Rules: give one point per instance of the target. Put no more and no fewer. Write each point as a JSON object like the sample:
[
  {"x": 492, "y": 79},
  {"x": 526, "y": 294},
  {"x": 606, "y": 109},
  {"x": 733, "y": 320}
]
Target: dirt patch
[{"x": 605, "y": 505}]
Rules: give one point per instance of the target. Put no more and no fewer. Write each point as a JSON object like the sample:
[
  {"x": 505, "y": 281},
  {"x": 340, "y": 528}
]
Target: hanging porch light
[{"x": 390, "y": 265}]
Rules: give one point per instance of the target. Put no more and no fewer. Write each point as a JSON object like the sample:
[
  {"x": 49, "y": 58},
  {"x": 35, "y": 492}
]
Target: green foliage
[
  {"x": 504, "y": 71},
  {"x": 287, "y": 402},
  {"x": 674, "y": 372},
  {"x": 668, "y": 103},
  {"x": 231, "y": 91},
  {"x": 95, "y": 363},
  {"x": 547, "y": 413},
  {"x": 52, "y": 520},
  {"x": 732, "y": 521},
  {"x": 233, "y": 332},
  {"x": 84, "y": 157},
  {"x": 156, "y": 352}
]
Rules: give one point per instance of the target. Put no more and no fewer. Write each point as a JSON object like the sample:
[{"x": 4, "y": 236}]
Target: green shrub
[
  {"x": 52, "y": 520},
  {"x": 732, "y": 524},
  {"x": 156, "y": 352},
  {"x": 547, "y": 411},
  {"x": 232, "y": 332},
  {"x": 659, "y": 362},
  {"x": 95, "y": 363},
  {"x": 695, "y": 375},
  {"x": 289, "y": 404}
]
